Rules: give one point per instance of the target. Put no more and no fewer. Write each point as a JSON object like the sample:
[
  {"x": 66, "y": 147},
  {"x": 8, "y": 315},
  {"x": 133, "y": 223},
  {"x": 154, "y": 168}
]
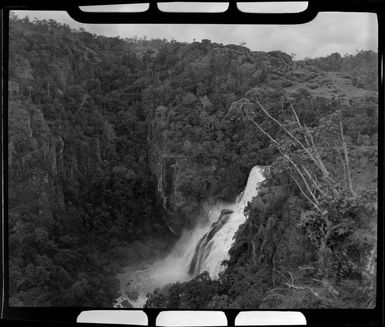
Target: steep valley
[{"x": 123, "y": 153}]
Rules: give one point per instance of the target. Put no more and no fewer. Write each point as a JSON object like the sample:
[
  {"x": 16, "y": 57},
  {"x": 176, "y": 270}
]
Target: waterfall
[
  {"x": 213, "y": 247},
  {"x": 198, "y": 250}
]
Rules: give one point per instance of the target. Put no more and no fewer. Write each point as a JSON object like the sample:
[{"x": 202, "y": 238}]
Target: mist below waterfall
[{"x": 200, "y": 249}]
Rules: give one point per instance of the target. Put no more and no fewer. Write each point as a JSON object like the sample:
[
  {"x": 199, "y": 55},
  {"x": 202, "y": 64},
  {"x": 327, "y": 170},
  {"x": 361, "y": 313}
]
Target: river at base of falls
[{"x": 200, "y": 249}]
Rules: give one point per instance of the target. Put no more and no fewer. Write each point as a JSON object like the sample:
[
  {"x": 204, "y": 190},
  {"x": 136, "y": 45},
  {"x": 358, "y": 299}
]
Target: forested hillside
[{"x": 115, "y": 144}]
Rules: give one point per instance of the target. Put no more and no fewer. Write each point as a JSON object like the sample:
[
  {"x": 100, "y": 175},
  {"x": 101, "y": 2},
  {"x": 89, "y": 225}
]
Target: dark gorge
[{"x": 171, "y": 174}]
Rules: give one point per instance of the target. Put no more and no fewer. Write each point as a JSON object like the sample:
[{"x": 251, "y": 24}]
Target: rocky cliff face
[
  {"x": 187, "y": 90},
  {"x": 193, "y": 123},
  {"x": 35, "y": 158},
  {"x": 39, "y": 159},
  {"x": 166, "y": 166},
  {"x": 191, "y": 154},
  {"x": 112, "y": 142}
]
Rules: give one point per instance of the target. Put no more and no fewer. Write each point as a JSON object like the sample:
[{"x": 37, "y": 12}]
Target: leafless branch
[
  {"x": 342, "y": 162},
  {"x": 305, "y": 195},
  {"x": 317, "y": 162},
  {"x": 314, "y": 202},
  {"x": 345, "y": 150},
  {"x": 317, "y": 155},
  {"x": 317, "y": 187},
  {"x": 299, "y": 124}
]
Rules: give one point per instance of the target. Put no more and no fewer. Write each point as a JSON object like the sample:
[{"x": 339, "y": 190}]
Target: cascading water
[
  {"x": 213, "y": 248},
  {"x": 198, "y": 250}
]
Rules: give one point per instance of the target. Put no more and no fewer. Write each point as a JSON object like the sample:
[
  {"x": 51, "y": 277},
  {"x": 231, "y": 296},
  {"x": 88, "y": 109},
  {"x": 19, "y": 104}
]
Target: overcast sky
[{"x": 327, "y": 33}]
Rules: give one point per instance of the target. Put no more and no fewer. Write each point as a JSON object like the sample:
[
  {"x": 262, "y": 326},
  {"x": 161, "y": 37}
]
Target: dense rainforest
[{"x": 114, "y": 144}]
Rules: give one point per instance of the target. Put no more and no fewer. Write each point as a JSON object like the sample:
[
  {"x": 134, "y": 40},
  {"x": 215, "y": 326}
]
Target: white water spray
[{"x": 198, "y": 250}]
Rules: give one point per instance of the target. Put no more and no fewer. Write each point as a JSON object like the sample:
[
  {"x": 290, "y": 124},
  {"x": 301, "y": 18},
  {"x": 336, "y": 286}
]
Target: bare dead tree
[
  {"x": 313, "y": 156},
  {"x": 312, "y": 188}
]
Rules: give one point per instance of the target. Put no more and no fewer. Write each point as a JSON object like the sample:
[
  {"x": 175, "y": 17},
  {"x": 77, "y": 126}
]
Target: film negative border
[{"x": 315, "y": 317}]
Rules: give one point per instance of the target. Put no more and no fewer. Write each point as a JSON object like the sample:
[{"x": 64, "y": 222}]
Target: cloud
[{"x": 327, "y": 33}]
